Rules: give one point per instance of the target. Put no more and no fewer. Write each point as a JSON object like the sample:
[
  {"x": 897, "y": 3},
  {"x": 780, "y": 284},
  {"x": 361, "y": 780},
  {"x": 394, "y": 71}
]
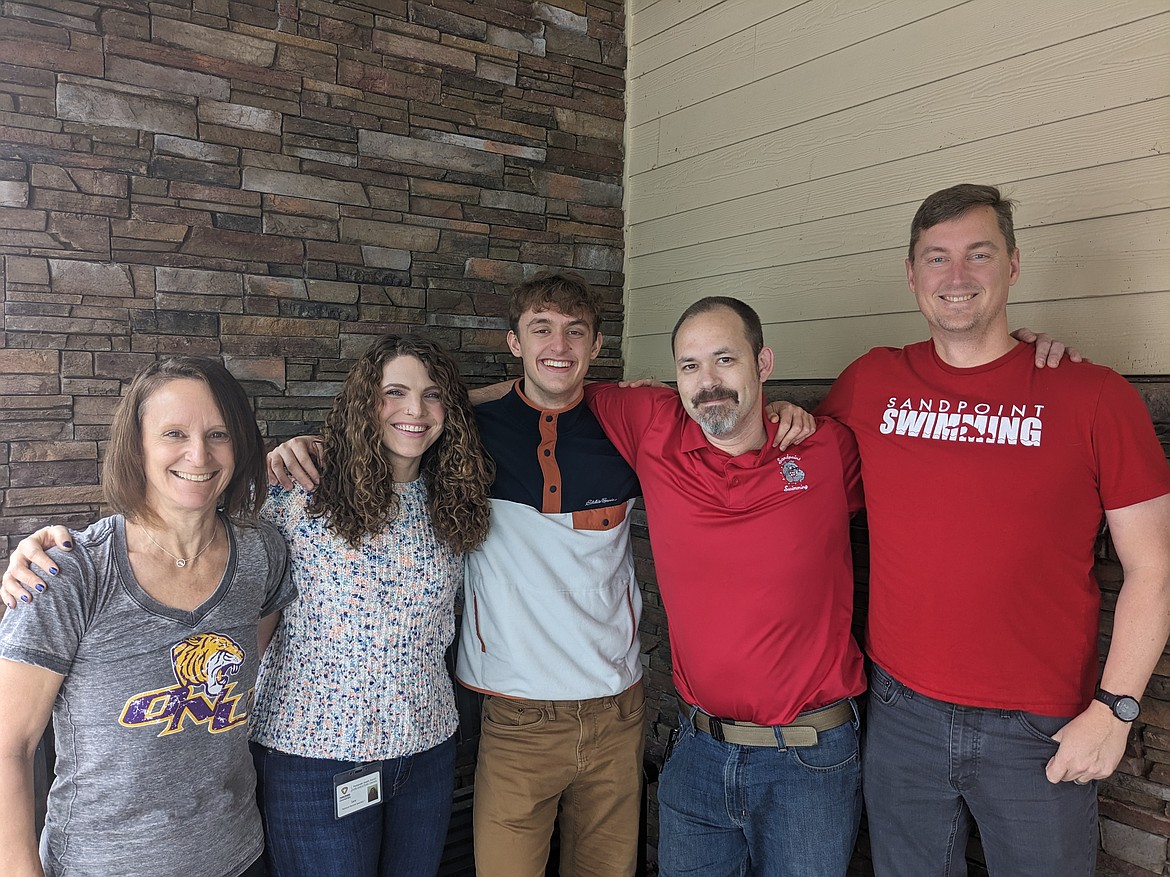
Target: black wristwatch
[{"x": 1124, "y": 707}]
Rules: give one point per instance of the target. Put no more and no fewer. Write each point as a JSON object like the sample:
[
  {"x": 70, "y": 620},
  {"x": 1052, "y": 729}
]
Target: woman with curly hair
[{"x": 355, "y": 713}]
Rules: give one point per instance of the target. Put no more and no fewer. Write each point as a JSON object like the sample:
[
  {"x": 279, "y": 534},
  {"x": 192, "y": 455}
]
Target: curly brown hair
[{"x": 356, "y": 492}]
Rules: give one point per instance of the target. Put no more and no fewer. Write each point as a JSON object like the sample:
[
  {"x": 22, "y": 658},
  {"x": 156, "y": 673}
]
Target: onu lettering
[
  {"x": 170, "y": 707},
  {"x": 207, "y": 661}
]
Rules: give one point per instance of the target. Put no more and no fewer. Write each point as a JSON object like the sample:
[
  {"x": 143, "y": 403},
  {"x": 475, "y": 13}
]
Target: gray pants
[{"x": 931, "y": 769}]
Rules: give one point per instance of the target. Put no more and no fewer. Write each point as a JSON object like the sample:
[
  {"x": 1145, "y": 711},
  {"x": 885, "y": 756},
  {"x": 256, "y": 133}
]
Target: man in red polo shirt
[{"x": 751, "y": 548}]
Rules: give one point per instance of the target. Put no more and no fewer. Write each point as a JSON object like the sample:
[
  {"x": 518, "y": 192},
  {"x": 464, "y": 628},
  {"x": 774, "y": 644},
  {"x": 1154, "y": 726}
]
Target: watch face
[{"x": 1126, "y": 709}]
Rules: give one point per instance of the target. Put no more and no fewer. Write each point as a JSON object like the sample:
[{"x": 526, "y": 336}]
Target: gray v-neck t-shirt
[{"x": 153, "y": 770}]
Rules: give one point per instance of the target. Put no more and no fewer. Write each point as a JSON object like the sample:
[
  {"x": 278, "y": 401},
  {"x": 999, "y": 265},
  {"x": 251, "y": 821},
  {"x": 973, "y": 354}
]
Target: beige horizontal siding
[
  {"x": 776, "y": 151},
  {"x": 1134, "y": 131},
  {"x": 1103, "y": 71},
  {"x": 928, "y": 51},
  {"x": 1099, "y": 191},
  {"x": 673, "y": 29},
  {"x": 671, "y": 79}
]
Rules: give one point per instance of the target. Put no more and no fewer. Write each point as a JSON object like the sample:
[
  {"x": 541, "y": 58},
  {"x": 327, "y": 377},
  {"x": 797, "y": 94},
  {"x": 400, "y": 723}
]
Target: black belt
[{"x": 802, "y": 731}]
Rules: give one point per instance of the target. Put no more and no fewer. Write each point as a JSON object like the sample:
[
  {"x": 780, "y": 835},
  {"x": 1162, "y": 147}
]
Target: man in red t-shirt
[{"x": 986, "y": 480}]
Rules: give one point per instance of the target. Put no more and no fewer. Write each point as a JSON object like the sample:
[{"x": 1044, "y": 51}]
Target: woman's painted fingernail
[
  {"x": 67, "y": 544},
  {"x": 52, "y": 570},
  {"x": 24, "y": 598},
  {"x": 40, "y": 587}
]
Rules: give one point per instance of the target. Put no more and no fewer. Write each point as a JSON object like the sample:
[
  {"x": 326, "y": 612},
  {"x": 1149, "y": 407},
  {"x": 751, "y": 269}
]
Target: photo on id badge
[{"x": 355, "y": 790}]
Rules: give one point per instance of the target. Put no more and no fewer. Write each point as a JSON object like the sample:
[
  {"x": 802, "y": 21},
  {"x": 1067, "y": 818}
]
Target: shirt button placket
[{"x": 734, "y": 479}]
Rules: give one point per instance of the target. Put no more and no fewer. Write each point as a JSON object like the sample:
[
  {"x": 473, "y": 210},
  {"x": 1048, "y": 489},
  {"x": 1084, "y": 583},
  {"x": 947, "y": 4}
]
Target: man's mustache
[{"x": 715, "y": 394}]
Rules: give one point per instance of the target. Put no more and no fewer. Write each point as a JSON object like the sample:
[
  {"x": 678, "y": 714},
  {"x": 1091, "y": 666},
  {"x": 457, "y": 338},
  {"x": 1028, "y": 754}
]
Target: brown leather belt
[{"x": 801, "y": 732}]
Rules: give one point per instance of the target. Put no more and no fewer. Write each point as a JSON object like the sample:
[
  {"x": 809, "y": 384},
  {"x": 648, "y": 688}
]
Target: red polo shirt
[{"x": 752, "y": 555}]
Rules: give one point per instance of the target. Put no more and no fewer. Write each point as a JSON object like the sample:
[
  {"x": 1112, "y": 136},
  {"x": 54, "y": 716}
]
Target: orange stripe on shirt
[{"x": 603, "y": 518}]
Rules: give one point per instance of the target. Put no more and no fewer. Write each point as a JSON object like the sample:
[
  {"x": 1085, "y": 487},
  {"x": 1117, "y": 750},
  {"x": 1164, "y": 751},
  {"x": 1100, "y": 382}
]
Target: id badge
[{"x": 356, "y": 790}]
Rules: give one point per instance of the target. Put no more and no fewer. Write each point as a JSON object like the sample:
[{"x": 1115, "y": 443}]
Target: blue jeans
[
  {"x": 933, "y": 768},
  {"x": 401, "y": 837},
  {"x": 726, "y": 809}
]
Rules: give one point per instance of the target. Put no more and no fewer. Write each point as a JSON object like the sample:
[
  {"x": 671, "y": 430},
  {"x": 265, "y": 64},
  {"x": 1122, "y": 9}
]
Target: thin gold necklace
[{"x": 180, "y": 562}]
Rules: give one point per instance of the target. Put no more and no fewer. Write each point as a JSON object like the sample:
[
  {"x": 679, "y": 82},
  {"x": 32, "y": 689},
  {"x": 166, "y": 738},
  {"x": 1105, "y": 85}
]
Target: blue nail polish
[
  {"x": 52, "y": 570},
  {"x": 24, "y": 598},
  {"x": 67, "y": 544},
  {"x": 40, "y": 587}
]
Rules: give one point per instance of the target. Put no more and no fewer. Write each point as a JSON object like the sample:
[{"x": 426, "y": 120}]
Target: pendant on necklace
[{"x": 180, "y": 563}]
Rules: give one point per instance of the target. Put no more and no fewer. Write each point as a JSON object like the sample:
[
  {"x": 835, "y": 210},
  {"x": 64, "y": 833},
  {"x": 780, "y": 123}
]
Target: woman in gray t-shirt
[{"x": 147, "y": 656}]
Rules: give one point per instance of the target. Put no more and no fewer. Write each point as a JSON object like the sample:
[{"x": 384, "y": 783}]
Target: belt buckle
[
  {"x": 799, "y": 736},
  {"x": 716, "y": 728}
]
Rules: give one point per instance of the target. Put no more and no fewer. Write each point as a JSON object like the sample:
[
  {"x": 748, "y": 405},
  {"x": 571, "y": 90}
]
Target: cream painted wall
[{"x": 777, "y": 150}]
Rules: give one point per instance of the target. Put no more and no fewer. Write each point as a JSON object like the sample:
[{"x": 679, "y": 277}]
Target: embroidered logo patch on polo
[{"x": 793, "y": 474}]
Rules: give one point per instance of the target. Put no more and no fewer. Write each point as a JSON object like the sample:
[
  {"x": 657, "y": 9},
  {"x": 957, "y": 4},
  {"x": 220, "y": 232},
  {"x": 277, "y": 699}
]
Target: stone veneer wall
[
  {"x": 274, "y": 182},
  {"x": 1134, "y": 802}
]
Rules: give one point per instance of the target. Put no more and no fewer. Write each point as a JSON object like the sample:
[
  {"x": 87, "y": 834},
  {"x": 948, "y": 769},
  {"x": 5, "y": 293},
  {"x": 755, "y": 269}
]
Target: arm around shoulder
[
  {"x": 794, "y": 423},
  {"x": 1049, "y": 350},
  {"x": 295, "y": 460},
  {"x": 626, "y": 413},
  {"x": 21, "y": 581},
  {"x": 490, "y": 393}
]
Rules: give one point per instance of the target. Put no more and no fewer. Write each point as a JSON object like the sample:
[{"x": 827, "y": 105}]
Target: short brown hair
[
  {"x": 123, "y": 478},
  {"x": 947, "y": 204},
  {"x": 565, "y": 292},
  {"x": 753, "y": 329}
]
